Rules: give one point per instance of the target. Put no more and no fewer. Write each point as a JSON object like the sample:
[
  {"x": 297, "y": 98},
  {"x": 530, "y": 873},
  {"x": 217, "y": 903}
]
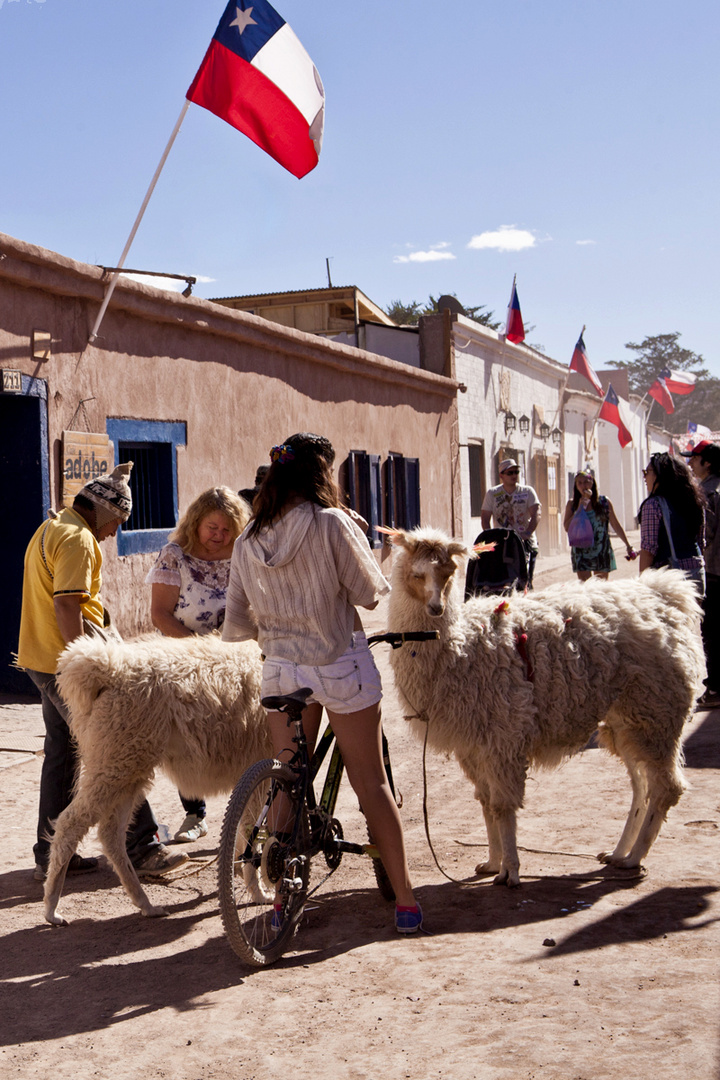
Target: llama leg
[
  {"x": 112, "y": 835},
  {"x": 666, "y": 785},
  {"x": 506, "y": 824},
  {"x": 494, "y": 860},
  {"x": 71, "y": 826},
  {"x": 638, "y": 779}
]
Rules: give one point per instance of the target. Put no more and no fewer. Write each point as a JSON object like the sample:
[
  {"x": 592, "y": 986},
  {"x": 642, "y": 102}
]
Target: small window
[
  {"x": 152, "y": 447},
  {"x": 476, "y": 459},
  {"x": 402, "y": 491},
  {"x": 365, "y": 490},
  {"x": 152, "y": 494}
]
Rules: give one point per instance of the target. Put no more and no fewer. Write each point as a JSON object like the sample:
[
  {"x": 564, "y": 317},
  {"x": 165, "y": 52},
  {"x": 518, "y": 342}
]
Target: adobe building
[{"x": 195, "y": 394}]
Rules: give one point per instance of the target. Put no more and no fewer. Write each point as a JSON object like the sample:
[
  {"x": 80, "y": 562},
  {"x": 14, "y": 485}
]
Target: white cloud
[
  {"x": 506, "y": 238},
  {"x": 434, "y": 254},
  {"x": 582, "y": 243}
]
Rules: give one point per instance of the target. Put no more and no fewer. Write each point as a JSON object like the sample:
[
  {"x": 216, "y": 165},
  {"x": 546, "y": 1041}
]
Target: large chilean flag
[
  {"x": 514, "y": 327},
  {"x": 610, "y": 411},
  {"x": 257, "y": 76}
]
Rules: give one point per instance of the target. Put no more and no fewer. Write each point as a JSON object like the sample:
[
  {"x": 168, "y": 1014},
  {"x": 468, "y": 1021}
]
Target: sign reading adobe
[{"x": 85, "y": 456}]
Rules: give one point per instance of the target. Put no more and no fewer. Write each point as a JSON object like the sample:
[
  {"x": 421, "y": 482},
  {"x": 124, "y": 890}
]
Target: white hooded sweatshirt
[{"x": 296, "y": 585}]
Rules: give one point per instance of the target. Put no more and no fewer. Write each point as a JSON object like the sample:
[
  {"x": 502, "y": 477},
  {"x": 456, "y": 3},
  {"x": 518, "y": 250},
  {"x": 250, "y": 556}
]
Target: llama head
[{"x": 426, "y": 566}]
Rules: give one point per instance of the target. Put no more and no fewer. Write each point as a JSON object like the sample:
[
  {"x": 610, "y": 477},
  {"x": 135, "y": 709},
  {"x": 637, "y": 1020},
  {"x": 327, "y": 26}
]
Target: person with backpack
[{"x": 596, "y": 556}]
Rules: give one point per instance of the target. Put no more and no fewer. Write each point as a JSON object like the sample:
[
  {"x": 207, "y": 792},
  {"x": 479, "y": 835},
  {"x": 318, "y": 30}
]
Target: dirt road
[{"x": 584, "y": 973}]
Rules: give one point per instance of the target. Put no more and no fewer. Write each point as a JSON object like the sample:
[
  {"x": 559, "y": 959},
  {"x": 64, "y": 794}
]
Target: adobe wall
[{"x": 239, "y": 382}]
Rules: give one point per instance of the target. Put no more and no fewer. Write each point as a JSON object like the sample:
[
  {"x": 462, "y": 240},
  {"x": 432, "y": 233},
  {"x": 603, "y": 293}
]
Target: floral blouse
[{"x": 203, "y": 587}]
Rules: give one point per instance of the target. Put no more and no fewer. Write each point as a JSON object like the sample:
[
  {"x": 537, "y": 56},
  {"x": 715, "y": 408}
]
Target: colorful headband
[{"x": 282, "y": 454}]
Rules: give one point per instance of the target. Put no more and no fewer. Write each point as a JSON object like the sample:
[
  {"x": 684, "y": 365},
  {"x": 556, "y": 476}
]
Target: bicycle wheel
[{"x": 259, "y": 863}]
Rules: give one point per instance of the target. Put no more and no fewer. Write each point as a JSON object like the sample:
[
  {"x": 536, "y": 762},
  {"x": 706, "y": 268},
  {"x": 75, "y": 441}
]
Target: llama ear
[
  {"x": 397, "y": 537},
  {"x": 456, "y": 548}
]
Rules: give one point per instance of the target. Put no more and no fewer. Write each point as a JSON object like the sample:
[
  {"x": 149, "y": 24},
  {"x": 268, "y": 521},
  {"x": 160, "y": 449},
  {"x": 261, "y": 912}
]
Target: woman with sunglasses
[
  {"x": 671, "y": 518},
  {"x": 598, "y": 558}
]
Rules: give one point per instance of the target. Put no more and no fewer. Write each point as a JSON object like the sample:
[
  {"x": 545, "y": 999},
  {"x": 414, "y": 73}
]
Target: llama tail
[
  {"x": 675, "y": 589},
  {"x": 84, "y": 671}
]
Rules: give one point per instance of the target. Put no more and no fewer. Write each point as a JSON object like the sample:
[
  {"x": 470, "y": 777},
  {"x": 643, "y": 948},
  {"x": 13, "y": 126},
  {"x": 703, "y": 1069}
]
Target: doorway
[{"x": 26, "y": 497}]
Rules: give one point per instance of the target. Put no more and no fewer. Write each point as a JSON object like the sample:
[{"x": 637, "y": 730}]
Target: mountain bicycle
[{"x": 274, "y": 826}]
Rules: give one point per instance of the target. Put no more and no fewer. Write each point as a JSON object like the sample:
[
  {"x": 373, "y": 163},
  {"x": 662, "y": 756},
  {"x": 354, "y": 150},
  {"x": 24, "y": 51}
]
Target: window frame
[{"x": 173, "y": 432}]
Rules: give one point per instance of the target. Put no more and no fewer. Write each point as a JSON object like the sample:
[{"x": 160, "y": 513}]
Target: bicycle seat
[{"x": 283, "y": 702}]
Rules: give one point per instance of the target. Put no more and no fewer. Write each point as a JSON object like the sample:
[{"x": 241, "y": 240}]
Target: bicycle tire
[
  {"x": 253, "y": 863},
  {"x": 381, "y": 875}
]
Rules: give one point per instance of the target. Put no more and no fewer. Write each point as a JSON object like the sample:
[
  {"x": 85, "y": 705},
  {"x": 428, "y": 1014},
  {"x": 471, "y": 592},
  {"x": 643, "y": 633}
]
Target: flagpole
[
  {"x": 564, "y": 388},
  {"x": 637, "y": 410},
  {"x": 588, "y": 450},
  {"x": 502, "y": 354},
  {"x": 114, "y": 280}
]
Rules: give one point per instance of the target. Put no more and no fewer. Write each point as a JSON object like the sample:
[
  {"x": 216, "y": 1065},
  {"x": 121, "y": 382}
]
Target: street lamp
[
  {"x": 524, "y": 423},
  {"x": 510, "y": 422},
  {"x": 544, "y": 431},
  {"x": 556, "y": 436}
]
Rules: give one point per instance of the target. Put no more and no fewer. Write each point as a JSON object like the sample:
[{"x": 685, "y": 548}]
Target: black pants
[
  {"x": 58, "y": 778},
  {"x": 711, "y": 631},
  {"x": 531, "y": 557}
]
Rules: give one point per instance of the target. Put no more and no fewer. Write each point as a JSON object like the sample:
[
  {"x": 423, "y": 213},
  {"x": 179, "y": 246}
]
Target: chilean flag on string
[
  {"x": 581, "y": 364},
  {"x": 659, "y": 391},
  {"x": 610, "y": 411},
  {"x": 257, "y": 76},
  {"x": 678, "y": 382},
  {"x": 514, "y": 328}
]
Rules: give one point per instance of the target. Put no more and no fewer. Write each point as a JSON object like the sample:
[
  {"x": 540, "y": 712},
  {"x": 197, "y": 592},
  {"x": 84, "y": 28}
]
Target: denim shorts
[{"x": 348, "y": 685}]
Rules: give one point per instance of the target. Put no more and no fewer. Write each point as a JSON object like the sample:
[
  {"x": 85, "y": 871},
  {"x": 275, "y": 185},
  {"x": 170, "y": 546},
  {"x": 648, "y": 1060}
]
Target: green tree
[
  {"x": 404, "y": 314},
  {"x": 660, "y": 351},
  {"x": 409, "y": 314}
]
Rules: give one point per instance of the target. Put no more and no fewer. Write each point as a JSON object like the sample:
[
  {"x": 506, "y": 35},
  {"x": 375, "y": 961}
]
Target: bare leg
[
  {"x": 360, "y": 741},
  {"x": 284, "y": 748}
]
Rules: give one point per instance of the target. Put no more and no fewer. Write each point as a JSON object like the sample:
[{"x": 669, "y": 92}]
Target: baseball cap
[
  {"x": 508, "y": 463},
  {"x": 696, "y": 450}
]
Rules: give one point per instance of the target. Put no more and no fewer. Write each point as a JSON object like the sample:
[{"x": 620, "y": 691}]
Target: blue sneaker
[
  {"x": 408, "y": 920},
  {"x": 276, "y": 923}
]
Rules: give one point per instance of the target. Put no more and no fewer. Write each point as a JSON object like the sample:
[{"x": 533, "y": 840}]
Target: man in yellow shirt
[{"x": 61, "y": 587}]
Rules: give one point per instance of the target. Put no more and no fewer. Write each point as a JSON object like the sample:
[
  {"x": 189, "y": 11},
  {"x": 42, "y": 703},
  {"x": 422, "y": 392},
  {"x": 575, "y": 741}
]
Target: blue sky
[{"x": 577, "y": 138}]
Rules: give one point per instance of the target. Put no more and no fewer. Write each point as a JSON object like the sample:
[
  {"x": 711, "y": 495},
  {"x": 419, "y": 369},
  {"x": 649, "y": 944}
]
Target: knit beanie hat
[{"x": 110, "y": 495}]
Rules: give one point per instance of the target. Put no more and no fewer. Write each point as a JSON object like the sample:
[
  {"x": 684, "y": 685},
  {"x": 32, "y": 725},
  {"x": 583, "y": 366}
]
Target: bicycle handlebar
[{"x": 397, "y": 639}]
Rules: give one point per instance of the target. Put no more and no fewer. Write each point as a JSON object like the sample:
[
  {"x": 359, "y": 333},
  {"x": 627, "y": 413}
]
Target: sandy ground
[{"x": 583, "y": 973}]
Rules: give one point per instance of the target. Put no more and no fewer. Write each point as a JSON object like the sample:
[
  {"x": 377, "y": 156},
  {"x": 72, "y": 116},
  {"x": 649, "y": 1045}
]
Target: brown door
[{"x": 546, "y": 485}]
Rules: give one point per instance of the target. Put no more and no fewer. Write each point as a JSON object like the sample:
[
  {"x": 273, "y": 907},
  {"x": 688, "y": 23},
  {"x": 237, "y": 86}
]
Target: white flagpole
[
  {"x": 502, "y": 355},
  {"x": 113, "y": 281}
]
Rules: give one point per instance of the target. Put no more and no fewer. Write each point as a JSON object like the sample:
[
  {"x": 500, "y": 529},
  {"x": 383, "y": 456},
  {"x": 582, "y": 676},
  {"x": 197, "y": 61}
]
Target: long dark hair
[
  {"x": 577, "y": 495},
  {"x": 675, "y": 482},
  {"x": 300, "y": 466}
]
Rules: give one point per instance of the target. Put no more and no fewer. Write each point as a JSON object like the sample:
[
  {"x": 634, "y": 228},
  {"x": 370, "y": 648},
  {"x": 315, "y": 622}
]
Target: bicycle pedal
[{"x": 371, "y": 850}]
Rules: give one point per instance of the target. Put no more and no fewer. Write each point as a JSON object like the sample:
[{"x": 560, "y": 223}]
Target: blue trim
[
  {"x": 32, "y": 387},
  {"x": 147, "y": 431}
]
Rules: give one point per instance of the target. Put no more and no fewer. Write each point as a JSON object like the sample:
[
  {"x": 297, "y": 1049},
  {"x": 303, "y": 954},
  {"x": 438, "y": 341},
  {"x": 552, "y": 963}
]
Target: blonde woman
[{"x": 189, "y": 585}]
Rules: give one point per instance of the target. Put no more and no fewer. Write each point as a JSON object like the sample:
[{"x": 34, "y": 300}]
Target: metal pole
[{"x": 121, "y": 262}]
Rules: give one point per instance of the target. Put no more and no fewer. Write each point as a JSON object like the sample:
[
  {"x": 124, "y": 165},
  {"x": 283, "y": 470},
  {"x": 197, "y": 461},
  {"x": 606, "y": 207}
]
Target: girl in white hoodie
[{"x": 299, "y": 571}]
